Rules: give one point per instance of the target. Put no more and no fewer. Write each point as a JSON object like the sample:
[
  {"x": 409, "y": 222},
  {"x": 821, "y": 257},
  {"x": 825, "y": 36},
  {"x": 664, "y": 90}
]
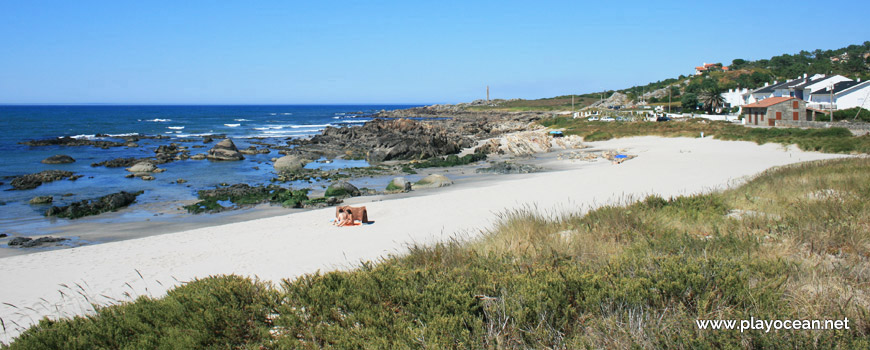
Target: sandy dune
[{"x": 289, "y": 245}]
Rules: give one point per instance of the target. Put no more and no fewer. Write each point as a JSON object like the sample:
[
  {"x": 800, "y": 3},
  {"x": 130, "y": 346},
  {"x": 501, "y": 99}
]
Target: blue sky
[{"x": 313, "y": 52}]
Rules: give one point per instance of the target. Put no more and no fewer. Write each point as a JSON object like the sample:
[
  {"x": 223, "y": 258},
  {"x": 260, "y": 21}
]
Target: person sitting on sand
[
  {"x": 340, "y": 218},
  {"x": 348, "y": 219}
]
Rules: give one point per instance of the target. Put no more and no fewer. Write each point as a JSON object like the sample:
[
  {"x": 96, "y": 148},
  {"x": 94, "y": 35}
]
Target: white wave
[
  {"x": 336, "y": 117},
  {"x": 87, "y": 137},
  {"x": 194, "y": 135},
  {"x": 124, "y": 135},
  {"x": 340, "y": 113},
  {"x": 273, "y": 113},
  {"x": 158, "y": 120},
  {"x": 242, "y": 120},
  {"x": 178, "y": 132},
  {"x": 354, "y": 121},
  {"x": 273, "y": 127},
  {"x": 232, "y": 125},
  {"x": 175, "y": 127},
  {"x": 286, "y": 113},
  {"x": 283, "y": 134},
  {"x": 308, "y": 126}
]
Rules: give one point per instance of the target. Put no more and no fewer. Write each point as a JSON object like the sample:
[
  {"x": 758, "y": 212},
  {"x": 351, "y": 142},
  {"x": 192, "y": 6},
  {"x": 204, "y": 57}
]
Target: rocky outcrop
[
  {"x": 342, "y": 189},
  {"x": 414, "y": 133},
  {"x": 290, "y": 164},
  {"x": 103, "y": 204},
  {"x": 58, "y": 159},
  {"x": 31, "y": 181},
  {"x": 27, "y": 242},
  {"x": 225, "y": 151},
  {"x": 433, "y": 181},
  {"x": 41, "y": 200}
]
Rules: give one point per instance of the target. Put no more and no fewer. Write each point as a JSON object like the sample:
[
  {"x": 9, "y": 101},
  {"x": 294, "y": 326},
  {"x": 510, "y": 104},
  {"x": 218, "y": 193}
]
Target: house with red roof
[{"x": 769, "y": 110}]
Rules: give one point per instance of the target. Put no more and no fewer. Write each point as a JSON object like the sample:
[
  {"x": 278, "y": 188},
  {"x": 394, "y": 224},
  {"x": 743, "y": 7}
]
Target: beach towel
[{"x": 359, "y": 213}]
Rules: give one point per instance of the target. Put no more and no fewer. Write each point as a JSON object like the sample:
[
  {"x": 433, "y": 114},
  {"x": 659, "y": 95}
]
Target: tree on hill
[
  {"x": 689, "y": 101},
  {"x": 711, "y": 98}
]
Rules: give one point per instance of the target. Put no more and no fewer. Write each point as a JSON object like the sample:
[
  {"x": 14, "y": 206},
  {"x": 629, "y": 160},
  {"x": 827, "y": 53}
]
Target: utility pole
[
  {"x": 487, "y": 93},
  {"x": 669, "y": 100},
  {"x": 572, "y": 103}
]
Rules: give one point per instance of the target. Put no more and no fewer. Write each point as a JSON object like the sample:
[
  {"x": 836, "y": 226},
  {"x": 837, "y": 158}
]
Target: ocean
[{"x": 241, "y": 123}]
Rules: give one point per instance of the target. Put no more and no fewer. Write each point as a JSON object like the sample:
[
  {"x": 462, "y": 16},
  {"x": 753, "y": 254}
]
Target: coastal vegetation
[
  {"x": 791, "y": 243},
  {"x": 831, "y": 140}
]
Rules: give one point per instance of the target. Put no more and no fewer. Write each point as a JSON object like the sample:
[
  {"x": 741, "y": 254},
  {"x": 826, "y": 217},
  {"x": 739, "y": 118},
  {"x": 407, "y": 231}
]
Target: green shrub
[
  {"x": 214, "y": 312},
  {"x": 598, "y": 136}
]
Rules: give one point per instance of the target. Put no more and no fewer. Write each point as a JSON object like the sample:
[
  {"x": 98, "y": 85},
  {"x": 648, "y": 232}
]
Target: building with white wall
[{"x": 844, "y": 95}]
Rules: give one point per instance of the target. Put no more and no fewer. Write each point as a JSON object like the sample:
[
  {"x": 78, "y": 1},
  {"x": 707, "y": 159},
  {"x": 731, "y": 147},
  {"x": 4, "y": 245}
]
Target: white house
[
  {"x": 734, "y": 97},
  {"x": 844, "y": 95},
  {"x": 816, "y": 83}
]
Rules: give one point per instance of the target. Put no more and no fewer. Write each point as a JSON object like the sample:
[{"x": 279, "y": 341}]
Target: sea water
[{"x": 243, "y": 124}]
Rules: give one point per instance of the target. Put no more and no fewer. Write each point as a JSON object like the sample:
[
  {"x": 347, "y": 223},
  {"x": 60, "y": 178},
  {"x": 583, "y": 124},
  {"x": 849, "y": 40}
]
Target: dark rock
[
  {"x": 27, "y": 242},
  {"x": 17, "y": 241},
  {"x": 119, "y": 162},
  {"x": 3, "y": 235},
  {"x": 69, "y": 141},
  {"x": 58, "y": 159},
  {"x": 31, "y": 181},
  {"x": 103, "y": 204},
  {"x": 342, "y": 189},
  {"x": 225, "y": 151},
  {"x": 207, "y": 140},
  {"x": 171, "y": 149}
]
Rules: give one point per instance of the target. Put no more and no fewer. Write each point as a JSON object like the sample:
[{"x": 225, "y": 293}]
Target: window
[
  {"x": 794, "y": 105},
  {"x": 778, "y": 115},
  {"x": 795, "y": 115}
]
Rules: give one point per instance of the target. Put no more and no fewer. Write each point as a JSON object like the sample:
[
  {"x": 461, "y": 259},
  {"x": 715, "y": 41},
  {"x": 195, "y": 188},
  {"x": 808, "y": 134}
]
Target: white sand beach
[{"x": 48, "y": 283}]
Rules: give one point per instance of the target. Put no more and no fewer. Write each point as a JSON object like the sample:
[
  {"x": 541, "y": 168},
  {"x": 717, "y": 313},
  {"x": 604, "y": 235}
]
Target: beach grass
[
  {"x": 830, "y": 140},
  {"x": 791, "y": 243}
]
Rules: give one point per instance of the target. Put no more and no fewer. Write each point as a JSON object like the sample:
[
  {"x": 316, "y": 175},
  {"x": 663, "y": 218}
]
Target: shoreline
[{"x": 287, "y": 246}]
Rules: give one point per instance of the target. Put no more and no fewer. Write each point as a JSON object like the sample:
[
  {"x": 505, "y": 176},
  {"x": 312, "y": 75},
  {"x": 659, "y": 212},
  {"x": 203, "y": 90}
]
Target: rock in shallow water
[
  {"x": 142, "y": 167},
  {"x": 41, "y": 200},
  {"x": 289, "y": 164},
  {"x": 27, "y": 242},
  {"x": 31, "y": 181},
  {"x": 225, "y": 151},
  {"x": 58, "y": 159},
  {"x": 110, "y": 202}
]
